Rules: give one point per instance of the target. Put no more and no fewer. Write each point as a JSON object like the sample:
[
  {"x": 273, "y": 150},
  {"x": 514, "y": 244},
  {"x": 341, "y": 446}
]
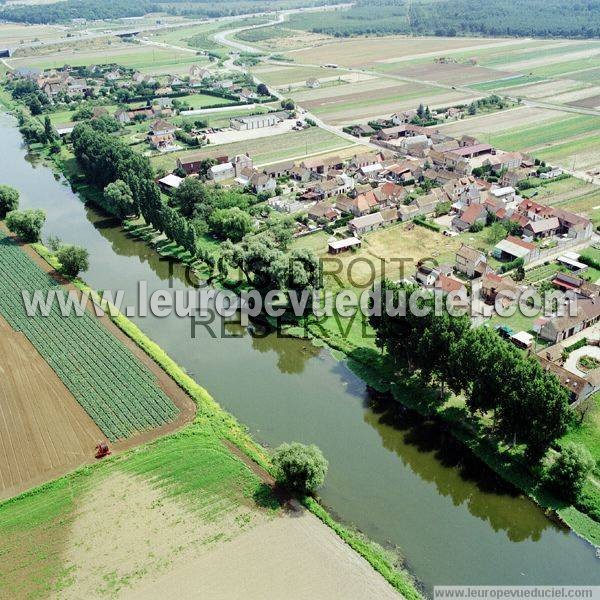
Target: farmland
[
  {"x": 268, "y": 149},
  {"x": 44, "y": 432},
  {"x": 115, "y": 389}
]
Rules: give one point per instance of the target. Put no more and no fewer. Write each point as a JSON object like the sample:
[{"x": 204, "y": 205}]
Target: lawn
[
  {"x": 292, "y": 145},
  {"x": 203, "y": 100}
]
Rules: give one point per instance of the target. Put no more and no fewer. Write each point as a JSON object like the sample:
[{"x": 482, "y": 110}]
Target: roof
[
  {"x": 448, "y": 284},
  {"x": 171, "y": 180},
  {"x": 472, "y": 213},
  {"x": 345, "y": 243},
  {"x": 470, "y": 254},
  {"x": 222, "y": 168},
  {"x": 511, "y": 247},
  {"x": 572, "y": 382},
  {"x": 503, "y": 191},
  {"x": 468, "y": 150},
  {"x": 367, "y": 220},
  {"x": 543, "y": 225},
  {"x": 161, "y": 124}
]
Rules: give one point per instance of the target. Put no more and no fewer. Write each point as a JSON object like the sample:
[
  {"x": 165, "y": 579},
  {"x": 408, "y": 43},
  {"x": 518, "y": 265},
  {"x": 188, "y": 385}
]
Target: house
[
  {"x": 475, "y": 213},
  {"x": 448, "y": 285},
  {"x": 506, "y": 195},
  {"x": 163, "y": 91},
  {"x": 358, "y": 206},
  {"x": 122, "y": 116},
  {"x": 254, "y": 122},
  {"x": 512, "y": 177},
  {"x": 463, "y": 191},
  {"x": 322, "y": 210},
  {"x": 162, "y": 127},
  {"x": 493, "y": 285},
  {"x": 247, "y": 94},
  {"x": 426, "y": 275},
  {"x": 241, "y": 162},
  {"x": 471, "y": 262},
  {"x": 277, "y": 170},
  {"x": 301, "y": 174},
  {"x": 578, "y": 388},
  {"x": 552, "y": 174},
  {"x": 390, "y": 215},
  {"x": 364, "y": 160},
  {"x": 221, "y": 172},
  {"x": 313, "y": 83},
  {"x": 322, "y": 164},
  {"x": 161, "y": 141},
  {"x": 512, "y": 248},
  {"x": 427, "y": 204},
  {"x": 472, "y": 151},
  {"x": 541, "y": 228},
  {"x": 337, "y": 246},
  {"x": 562, "y": 327},
  {"x": 259, "y": 182},
  {"x": 175, "y": 81},
  {"x": 506, "y": 160},
  {"x": 170, "y": 182},
  {"x": 571, "y": 283},
  {"x": 403, "y": 117},
  {"x": 368, "y": 172},
  {"x": 390, "y": 193},
  {"x": 197, "y": 72},
  {"x": 360, "y": 130},
  {"x": 360, "y": 225}
]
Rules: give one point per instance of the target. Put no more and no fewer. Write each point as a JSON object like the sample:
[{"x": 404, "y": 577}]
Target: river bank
[{"x": 384, "y": 478}]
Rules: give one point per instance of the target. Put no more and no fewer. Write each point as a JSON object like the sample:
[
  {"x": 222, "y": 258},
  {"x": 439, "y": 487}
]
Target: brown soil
[
  {"x": 590, "y": 102},
  {"x": 44, "y": 432},
  {"x": 78, "y": 448}
]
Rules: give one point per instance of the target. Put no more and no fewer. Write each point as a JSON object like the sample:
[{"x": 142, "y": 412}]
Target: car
[{"x": 450, "y": 233}]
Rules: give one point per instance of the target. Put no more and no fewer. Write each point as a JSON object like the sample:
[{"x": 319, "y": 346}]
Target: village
[{"x": 406, "y": 177}]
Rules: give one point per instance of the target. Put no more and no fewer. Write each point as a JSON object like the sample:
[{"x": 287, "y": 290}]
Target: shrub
[
  {"x": 568, "y": 473},
  {"x": 9, "y": 200},
  {"x": 73, "y": 260},
  {"x": 27, "y": 224},
  {"x": 300, "y": 468}
]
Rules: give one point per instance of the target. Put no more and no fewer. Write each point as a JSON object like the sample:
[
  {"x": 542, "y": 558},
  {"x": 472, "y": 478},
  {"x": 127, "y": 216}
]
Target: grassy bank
[{"x": 212, "y": 424}]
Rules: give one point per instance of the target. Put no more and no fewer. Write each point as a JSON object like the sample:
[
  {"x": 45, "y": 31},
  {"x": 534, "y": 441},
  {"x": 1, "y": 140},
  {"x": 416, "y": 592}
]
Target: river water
[{"x": 395, "y": 480}]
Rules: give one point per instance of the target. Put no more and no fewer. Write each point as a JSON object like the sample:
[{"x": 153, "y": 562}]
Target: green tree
[
  {"x": 190, "y": 194},
  {"x": 300, "y": 468},
  {"x": 568, "y": 472},
  {"x": 496, "y": 232},
  {"x": 73, "y": 260},
  {"x": 27, "y": 224},
  {"x": 118, "y": 199},
  {"x": 9, "y": 200},
  {"x": 230, "y": 223}
]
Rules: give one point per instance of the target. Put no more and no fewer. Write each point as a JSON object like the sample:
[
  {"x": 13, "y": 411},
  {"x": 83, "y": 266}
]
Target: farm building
[
  {"x": 337, "y": 246},
  {"x": 254, "y": 122}
]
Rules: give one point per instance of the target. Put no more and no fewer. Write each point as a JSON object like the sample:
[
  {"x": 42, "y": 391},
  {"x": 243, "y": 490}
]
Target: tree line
[
  {"x": 527, "y": 405},
  {"x": 555, "y": 18}
]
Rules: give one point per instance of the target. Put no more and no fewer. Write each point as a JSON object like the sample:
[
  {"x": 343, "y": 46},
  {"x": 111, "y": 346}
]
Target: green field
[
  {"x": 536, "y": 136},
  {"x": 115, "y": 389},
  {"x": 296, "y": 144},
  {"x": 505, "y": 83},
  {"x": 203, "y": 100}
]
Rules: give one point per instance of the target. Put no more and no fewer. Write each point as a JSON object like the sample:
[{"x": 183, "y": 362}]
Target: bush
[
  {"x": 9, "y": 200},
  {"x": 26, "y": 224},
  {"x": 568, "y": 473},
  {"x": 73, "y": 260},
  {"x": 300, "y": 468}
]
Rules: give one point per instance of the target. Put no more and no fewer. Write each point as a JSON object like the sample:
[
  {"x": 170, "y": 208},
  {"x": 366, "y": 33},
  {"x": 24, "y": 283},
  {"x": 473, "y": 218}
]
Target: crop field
[
  {"x": 341, "y": 108},
  {"x": 44, "y": 432},
  {"x": 587, "y": 101},
  {"x": 451, "y": 73},
  {"x": 578, "y": 154},
  {"x": 293, "y": 145},
  {"x": 151, "y": 59},
  {"x": 587, "y": 204},
  {"x": 505, "y": 83},
  {"x": 277, "y": 38},
  {"x": 115, "y": 389},
  {"x": 587, "y": 75},
  {"x": 361, "y": 52},
  {"x": 547, "y": 89},
  {"x": 538, "y": 135},
  {"x": 12, "y": 34},
  {"x": 281, "y": 75}
]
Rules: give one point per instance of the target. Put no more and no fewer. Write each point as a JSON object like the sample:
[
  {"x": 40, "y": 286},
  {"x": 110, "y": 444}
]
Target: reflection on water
[
  {"x": 401, "y": 481},
  {"x": 464, "y": 477}
]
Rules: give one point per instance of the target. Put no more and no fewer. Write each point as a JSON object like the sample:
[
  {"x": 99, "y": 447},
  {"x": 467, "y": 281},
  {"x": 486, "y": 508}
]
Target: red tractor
[{"x": 102, "y": 450}]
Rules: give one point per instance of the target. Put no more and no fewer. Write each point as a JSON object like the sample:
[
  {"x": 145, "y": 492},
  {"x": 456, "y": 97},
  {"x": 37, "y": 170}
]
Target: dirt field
[
  {"x": 368, "y": 51},
  {"x": 44, "y": 432},
  {"x": 452, "y": 73},
  {"x": 288, "y": 548},
  {"x": 589, "y": 102}
]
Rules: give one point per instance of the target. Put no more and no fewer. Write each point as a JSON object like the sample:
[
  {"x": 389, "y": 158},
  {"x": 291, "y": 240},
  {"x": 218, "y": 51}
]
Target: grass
[
  {"x": 202, "y": 100},
  {"x": 587, "y": 432},
  {"x": 264, "y": 150}
]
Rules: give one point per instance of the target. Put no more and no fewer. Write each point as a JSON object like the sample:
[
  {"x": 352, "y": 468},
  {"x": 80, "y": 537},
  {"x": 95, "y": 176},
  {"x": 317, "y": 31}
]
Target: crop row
[{"x": 118, "y": 392}]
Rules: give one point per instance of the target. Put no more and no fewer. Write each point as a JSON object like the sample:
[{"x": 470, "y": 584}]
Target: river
[{"x": 396, "y": 481}]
